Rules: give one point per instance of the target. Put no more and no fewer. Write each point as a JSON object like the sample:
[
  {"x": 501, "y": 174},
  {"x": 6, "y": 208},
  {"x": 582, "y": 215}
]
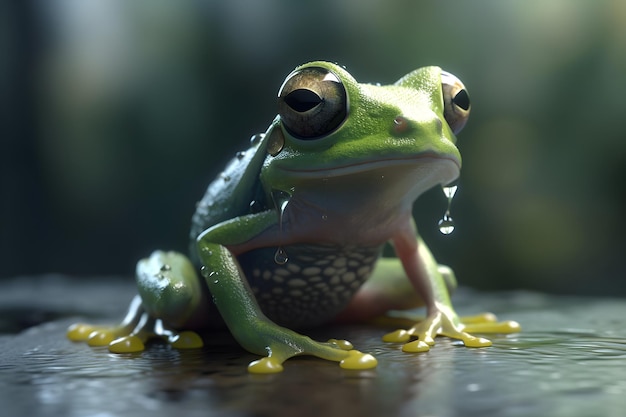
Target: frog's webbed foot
[
  {"x": 282, "y": 344},
  {"x": 279, "y": 350},
  {"x": 445, "y": 322},
  {"x": 132, "y": 334}
]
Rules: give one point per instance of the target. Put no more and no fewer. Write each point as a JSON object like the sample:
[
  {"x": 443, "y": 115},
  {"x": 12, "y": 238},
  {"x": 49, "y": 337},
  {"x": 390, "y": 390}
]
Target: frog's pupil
[
  {"x": 302, "y": 100},
  {"x": 462, "y": 100}
]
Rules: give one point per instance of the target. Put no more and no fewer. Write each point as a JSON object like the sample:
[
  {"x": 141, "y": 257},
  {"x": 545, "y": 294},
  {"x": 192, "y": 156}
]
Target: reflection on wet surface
[{"x": 569, "y": 360}]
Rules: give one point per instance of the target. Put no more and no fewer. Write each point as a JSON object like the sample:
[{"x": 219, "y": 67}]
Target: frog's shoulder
[{"x": 234, "y": 190}]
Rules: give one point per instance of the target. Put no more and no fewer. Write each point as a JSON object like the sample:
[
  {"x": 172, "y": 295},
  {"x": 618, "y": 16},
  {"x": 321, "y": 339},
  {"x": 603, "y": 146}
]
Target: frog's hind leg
[
  {"x": 170, "y": 297},
  {"x": 389, "y": 291}
]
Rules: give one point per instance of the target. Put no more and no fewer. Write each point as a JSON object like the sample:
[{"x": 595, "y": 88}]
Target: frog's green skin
[{"x": 290, "y": 234}]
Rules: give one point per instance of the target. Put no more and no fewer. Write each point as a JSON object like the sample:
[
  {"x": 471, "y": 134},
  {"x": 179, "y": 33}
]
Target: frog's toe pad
[
  {"x": 265, "y": 365},
  {"x": 127, "y": 344},
  {"x": 358, "y": 360},
  {"x": 187, "y": 340}
]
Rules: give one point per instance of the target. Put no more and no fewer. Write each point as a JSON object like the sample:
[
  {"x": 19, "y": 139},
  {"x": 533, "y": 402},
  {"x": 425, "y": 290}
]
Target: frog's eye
[
  {"x": 456, "y": 102},
  {"x": 312, "y": 102}
]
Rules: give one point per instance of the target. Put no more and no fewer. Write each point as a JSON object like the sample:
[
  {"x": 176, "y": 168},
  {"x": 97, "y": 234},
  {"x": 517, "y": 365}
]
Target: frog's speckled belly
[{"x": 315, "y": 284}]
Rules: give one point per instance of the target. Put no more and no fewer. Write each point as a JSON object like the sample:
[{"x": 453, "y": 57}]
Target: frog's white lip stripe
[{"x": 369, "y": 165}]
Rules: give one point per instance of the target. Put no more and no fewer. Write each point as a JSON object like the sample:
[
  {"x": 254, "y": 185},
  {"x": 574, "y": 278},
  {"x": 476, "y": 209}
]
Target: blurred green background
[{"x": 117, "y": 114}]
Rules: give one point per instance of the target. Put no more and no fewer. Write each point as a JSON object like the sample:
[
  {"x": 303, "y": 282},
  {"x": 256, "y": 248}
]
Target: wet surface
[{"x": 570, "y": 360}]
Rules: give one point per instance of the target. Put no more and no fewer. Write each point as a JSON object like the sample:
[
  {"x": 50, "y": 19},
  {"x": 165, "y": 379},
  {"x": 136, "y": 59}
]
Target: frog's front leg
[
  {"x": 441, "y": 319},
  {"x": 238, "y": 307},
  {"x": 170, "y": 295}
]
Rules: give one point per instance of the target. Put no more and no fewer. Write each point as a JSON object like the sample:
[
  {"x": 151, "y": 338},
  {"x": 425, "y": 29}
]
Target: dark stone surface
[{"x": 570, "y": 360}]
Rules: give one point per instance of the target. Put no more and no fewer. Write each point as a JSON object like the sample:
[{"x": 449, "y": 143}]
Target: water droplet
[
  {"x": 255, "y": 207},
  {"x": 324, "y": 217},
  {"x": 240, "y": 154},
  {"x": 280, "y": 257},
  {"x": 281, "y": 200},
  {"x": 449, "y": 191},
  {"x": 166, "y": 267},
  {"x": 256, "y": 138},
  {"x": 446, "y": 225}
]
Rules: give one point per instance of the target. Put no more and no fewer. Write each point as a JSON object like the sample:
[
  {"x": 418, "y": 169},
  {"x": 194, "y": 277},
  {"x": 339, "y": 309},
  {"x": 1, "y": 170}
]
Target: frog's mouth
[{"x": 445, "y": 166}]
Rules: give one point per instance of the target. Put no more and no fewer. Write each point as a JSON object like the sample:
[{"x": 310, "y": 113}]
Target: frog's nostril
[{"x": 401, "y": 125}]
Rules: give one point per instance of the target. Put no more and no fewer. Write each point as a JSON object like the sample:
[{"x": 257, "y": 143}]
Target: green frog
[{"x": 290, "y": 234}]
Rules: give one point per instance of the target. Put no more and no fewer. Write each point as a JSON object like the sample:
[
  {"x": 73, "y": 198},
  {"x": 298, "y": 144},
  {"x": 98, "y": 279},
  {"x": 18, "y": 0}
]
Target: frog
[{"x": 291, "y": 234}]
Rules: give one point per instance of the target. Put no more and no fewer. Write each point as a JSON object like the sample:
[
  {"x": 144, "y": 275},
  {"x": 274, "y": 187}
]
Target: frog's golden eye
[
  {"x": 456, "y": 102},
  {"x": 312, "y": 102}
]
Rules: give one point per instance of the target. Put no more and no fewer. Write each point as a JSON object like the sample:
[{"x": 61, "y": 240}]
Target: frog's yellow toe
[
  {"x": 476, "y": 342},
  {"x": 127, "y": 344},
  {"x": 187, "y": 340},
  {"x": 79, "y": 332},
  {"x": 479, "y": 318},
  {"x": 397, "y": 336},
  {"x": 101, "y": 338},
  {"x": 504, "y": 327},
  {"x": 265, "y": 365},
  {"x": 358, "y": 360},
  {"x": 416, "y": 346}
]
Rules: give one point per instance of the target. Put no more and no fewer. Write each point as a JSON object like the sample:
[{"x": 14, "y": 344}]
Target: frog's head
[{"x": 331, "y": 126}]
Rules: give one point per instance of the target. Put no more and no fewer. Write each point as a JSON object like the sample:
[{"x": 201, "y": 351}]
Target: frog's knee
[
  {"x": 169, "y": 286},
  {"x": 171, "y": 266}
]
